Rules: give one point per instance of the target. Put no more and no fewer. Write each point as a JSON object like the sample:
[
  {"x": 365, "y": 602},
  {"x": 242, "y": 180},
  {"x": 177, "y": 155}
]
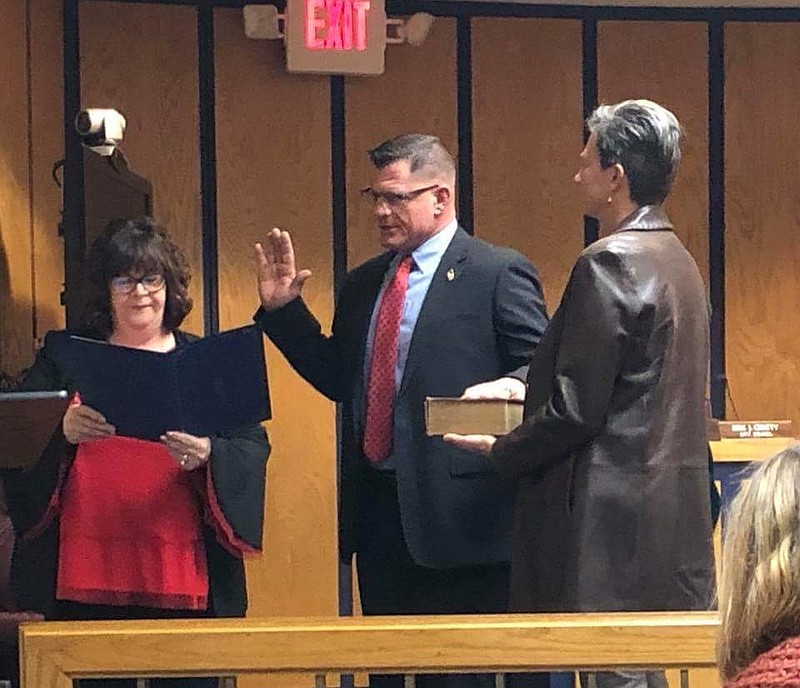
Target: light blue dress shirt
[{"x": 426, "y": 259}]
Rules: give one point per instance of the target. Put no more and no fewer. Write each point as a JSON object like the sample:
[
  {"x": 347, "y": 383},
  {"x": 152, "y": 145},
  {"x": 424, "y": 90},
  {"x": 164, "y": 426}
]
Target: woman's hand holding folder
[{"x": 83, "y": 424}]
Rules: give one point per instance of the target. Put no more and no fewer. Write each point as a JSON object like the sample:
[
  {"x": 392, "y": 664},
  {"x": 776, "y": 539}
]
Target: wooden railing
[{"x": 54, "y": 653}]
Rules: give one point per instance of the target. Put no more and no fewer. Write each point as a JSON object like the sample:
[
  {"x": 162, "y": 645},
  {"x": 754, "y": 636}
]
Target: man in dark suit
[
  {"x": 430, "y": 523},
  {"x": 611, "y": 460}
]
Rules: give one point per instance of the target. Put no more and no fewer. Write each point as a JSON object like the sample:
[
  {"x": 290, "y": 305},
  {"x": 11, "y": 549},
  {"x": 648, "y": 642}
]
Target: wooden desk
[
  {"x": 733, "y": 456},
  {"x": 731, "y": 460},
  {"x": 746, "y": 450}
]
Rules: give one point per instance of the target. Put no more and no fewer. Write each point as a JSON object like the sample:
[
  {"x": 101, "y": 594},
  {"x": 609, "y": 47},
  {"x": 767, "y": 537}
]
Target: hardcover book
[{"x": 471, "y": 416}]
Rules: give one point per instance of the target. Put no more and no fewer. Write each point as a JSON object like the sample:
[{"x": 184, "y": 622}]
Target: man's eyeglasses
[
  {"x": 393, "y": 198},
  {"x": 125, "y": 284}
]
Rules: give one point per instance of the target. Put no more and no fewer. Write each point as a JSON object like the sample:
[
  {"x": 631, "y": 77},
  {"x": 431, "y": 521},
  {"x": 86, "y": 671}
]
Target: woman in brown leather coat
[{"x": 611, "y": 462}]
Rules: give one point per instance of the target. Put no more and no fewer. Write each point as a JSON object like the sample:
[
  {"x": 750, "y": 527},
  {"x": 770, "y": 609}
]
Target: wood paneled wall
[
  {"x": 31, "y": 263},
  {"x": 274, "y": 169},
  {"x": 46, "y": 148},
  {"x": 637, "y": 60},
  {"x": 279, "y": 176},
  {"x": 527, "y": 135},
  {"x": 16, "y": 316},
  {"x": 762, "y": 243}
]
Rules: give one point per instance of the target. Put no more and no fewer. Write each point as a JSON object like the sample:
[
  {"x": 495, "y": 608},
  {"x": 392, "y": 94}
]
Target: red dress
[
  {"x": 138, "y": 531},
  {"x": 131, "y": 528}
]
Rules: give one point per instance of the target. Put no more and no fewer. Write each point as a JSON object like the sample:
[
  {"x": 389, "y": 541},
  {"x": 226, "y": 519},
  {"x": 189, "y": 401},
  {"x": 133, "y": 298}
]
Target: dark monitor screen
[{"x": 27, "y": 421}]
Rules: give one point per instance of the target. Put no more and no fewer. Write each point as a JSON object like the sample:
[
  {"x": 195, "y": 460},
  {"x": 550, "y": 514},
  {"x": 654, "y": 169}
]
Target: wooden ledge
[
  {"x": 54, "y": 652},
  {"x": 744, "y": 450}
]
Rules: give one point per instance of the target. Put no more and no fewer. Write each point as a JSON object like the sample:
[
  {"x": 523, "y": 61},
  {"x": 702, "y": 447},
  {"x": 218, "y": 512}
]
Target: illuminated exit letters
[
  {"x": 336, "y": 24},
  {"x": 336, "y": 36}
]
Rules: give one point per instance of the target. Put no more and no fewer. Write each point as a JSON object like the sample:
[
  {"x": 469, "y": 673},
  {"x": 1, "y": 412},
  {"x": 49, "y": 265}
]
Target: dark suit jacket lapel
[{"x": 445, "y": 278}]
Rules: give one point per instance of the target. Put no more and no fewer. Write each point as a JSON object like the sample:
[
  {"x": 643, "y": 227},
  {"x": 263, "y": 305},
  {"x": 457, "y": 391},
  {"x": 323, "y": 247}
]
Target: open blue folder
[{"x": 207, "y": 387}]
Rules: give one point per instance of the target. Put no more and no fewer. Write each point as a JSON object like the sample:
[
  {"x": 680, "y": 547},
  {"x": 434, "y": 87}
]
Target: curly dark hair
[{"x": 140, "y": 246}]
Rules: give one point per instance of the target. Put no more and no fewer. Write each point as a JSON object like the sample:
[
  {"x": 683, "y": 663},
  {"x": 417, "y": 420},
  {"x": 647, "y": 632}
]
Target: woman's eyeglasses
[{"x": 125, "y": 284}]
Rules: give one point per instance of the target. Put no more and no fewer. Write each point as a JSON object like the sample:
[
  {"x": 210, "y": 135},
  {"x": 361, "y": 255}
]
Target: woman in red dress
[{"x": 116, "y": 527}]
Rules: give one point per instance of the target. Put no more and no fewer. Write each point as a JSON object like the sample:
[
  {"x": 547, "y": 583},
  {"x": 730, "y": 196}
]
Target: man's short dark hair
[{"x": 421, "y": 151}]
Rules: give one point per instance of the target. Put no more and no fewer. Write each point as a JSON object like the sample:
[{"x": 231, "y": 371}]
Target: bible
[{"x": 472, "y": 416}]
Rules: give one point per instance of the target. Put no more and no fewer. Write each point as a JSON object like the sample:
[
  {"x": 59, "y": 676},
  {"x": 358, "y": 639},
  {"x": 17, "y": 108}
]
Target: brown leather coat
[{"x": 612, "y": 511}]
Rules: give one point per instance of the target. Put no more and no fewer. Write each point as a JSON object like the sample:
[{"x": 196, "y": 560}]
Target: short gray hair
[
  {"x": 645, "y": 139},
  {"x": 419, "y": 150}
]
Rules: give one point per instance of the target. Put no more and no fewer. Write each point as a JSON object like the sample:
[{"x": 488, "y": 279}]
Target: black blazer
[{"x": 481, "y": 319}]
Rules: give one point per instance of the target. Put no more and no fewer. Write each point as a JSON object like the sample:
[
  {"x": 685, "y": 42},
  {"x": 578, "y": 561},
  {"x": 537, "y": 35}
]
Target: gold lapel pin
[{"x": 451, "y": 275}]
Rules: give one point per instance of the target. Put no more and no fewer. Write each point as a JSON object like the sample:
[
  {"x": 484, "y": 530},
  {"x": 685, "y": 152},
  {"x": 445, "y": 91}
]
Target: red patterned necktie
[{"x": 378, "y": 428}]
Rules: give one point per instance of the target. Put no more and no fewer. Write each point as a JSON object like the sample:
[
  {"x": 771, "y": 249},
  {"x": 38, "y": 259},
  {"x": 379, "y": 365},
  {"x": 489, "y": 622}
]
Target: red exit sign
[
  {"x": 336, "y": 24},
  {"x": 336, "y": 36}
]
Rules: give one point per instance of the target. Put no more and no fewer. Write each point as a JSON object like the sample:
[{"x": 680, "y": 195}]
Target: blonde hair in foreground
[{"x": 759, "y": 589}]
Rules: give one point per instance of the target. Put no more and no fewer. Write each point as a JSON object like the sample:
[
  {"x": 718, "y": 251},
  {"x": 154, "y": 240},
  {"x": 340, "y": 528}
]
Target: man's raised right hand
[{"x": 279, "y": 282}]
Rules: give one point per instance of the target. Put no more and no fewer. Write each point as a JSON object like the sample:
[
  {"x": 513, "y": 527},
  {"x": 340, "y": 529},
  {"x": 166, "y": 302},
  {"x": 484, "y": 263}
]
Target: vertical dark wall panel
[
  {"x": 527, "y": 137},
  {"x": 716, "y": 212},
  {"x": 637, "y": 60},
  {"x": 762, "y": 244},
  {"x": 142, "y": 60}
]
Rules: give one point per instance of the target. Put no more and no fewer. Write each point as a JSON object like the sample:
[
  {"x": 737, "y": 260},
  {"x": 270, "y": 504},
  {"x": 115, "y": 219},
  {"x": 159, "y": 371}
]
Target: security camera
[{"x": 100, "y": 129}]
